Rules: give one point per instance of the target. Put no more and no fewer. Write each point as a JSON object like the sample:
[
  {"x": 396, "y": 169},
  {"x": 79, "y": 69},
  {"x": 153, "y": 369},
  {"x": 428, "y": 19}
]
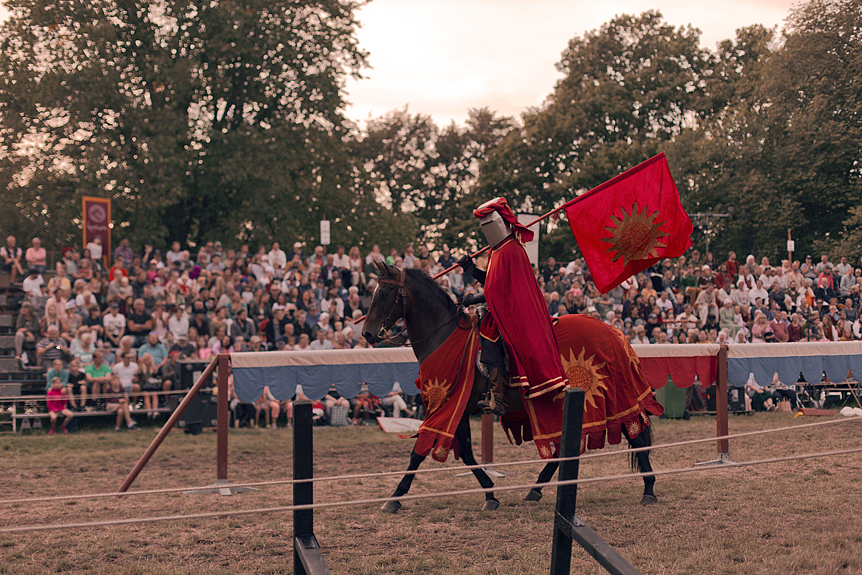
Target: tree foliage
[
  {"x": 629, "y": 88},
  {"x": 198, "y": 119}
]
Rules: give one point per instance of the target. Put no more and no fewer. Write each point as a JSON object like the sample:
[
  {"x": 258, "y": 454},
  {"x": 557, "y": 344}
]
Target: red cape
[{"x": 519, "y": 313}]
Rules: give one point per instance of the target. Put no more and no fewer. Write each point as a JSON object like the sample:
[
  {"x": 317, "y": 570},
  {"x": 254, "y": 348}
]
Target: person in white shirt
[
  {"x": 277, "y": 258},
  {"x": 758, "y": 292},
  {"x": 115, "y": 324},
  {"x": 321, "y": 342},
  {"x": 175, "y": 254},
  {"x": 178, "y": 323},
  {"x": 640, "y": 336},
  {"x": 32, "y": 284},
  {"x": 127, "y": 371}
]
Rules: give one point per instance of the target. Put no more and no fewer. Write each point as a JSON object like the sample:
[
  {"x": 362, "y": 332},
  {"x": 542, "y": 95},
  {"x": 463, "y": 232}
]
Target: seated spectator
[
  {"x": 77, "y": 384},
  {"x": 98, "y": 375},
  {"x": 57, "y": 400},
  {"x": 320, "y": 343},
  {"x": 82, "y": 347},
  {"x": 139, "y": 323},
  {"x": 781, "y": 391},
  {"x": 11, "y": 256},
  {"x": 51, "y": 347},
  {"x": 151, "y": 383},
  {"x": 331, "y": 399},
  {"x": 56, "y": 371},
  {"x": 27, "y": 330},
  {"x": 51, "y": 318},
  {"x": 115, "y": 324},
  {"x": 364, "y": 405},
  {"x": 36, "y": 257},
  {"x": 269, "y": 406},
  {"x": 223, "y": 345},
  {"x": 127, "y": 371},
  {"x": 395, "y": 400},
  {"x": 203, "y": 351},
  {"x": 117, "y": 401},
  {"x": 243, "y": 413},
  {"x": 758, "y": 398}
]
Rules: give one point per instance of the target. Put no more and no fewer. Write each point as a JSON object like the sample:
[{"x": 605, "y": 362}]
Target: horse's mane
[{"x": 434, "y": 290}]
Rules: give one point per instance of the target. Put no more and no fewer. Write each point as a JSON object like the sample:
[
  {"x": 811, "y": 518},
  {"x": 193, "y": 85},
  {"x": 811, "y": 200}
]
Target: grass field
[{"x": 797, "y": 517}]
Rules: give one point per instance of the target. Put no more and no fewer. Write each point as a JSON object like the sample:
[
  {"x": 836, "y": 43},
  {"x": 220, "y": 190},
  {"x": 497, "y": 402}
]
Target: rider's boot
[{"x": 495, "y": 401}]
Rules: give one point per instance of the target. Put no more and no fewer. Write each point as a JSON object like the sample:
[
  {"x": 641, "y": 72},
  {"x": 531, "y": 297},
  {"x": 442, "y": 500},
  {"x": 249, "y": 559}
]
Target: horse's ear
[
  {"x": 386, "y": 269},
  {"x": 381, "y": 267}
]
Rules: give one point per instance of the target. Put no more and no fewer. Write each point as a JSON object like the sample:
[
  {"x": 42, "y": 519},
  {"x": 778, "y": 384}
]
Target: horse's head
[{"x": 388, "y": 302}]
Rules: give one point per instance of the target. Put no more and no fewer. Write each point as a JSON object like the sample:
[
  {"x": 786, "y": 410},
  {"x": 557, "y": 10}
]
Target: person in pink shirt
[
  {"x": 57, "y": 400},
  {"x": 36, "y": 257}
]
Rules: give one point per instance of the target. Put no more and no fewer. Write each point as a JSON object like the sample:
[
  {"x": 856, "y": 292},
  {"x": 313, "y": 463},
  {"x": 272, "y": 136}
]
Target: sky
[{"x": 443, "y": 57}]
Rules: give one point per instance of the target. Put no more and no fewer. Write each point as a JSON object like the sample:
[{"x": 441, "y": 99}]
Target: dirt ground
[{"x": 801, "y": 517}]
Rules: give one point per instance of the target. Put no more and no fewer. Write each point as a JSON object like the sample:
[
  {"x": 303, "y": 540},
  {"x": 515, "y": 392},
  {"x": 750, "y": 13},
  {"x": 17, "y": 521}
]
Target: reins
[{"x": 401, "y": 295}]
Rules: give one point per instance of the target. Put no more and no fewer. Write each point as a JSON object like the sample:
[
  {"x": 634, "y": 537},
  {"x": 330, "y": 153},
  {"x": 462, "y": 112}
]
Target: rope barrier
[
  {"x": 357, "y": 502},
  {"x": 459, "y": 469}
]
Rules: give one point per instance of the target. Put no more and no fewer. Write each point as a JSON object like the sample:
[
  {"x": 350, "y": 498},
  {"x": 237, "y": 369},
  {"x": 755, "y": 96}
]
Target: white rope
[
  {"x": 459, "y": 469},
  {"x": 333, "y": 504}
]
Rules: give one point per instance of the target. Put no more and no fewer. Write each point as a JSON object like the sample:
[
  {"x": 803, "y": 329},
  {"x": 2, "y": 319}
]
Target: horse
[{"x": 430, "y": 316}]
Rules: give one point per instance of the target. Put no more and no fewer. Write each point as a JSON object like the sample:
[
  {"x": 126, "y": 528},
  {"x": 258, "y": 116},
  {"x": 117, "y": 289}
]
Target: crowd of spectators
[{"x": 135, "y": 313}]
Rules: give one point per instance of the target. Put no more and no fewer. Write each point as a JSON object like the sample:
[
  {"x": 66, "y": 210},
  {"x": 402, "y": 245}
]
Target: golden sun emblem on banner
[
  {"x": 636, "y": 235},
  {"x": 434, "y": 394},
  {"x": 585, "y": 374}
]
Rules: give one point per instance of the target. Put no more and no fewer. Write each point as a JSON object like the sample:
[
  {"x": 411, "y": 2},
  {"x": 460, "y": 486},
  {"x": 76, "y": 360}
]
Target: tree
[
  {"x": 200, "y": 120},
  {"x": 428, "y": 172},
  {"x": 629, "y": 88}
]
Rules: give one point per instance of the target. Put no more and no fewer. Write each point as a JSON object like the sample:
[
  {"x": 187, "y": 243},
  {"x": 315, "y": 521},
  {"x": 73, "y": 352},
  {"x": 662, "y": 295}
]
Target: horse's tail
[{"x": 642, "y": 440}]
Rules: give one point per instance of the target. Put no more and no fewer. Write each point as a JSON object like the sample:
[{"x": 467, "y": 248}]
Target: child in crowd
[
  {"x": 56, "y": 371},
  {"x": 117, "y": 401},
  {"x": 57, "y": 400},
  {"x": 77, "y": 384}
]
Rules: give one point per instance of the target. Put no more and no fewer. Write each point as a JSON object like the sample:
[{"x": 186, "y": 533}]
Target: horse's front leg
[
  {"x": 465, "y": 443},
  {"x": 405, "y": 483},
  {"x": 640, "y": 462},
  {"x": 535, "y": 494}
]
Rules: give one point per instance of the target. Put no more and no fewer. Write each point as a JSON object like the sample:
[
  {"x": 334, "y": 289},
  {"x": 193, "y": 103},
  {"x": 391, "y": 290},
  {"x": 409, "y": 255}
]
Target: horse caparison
[{"x": 428, "y": 314}]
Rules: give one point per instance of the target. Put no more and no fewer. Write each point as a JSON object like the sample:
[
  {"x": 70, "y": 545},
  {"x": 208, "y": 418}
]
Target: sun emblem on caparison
[
  {"x": 434, "y": 394},
  {"x": 636, "y": 236},
  {"x": 585, "y": 374}
]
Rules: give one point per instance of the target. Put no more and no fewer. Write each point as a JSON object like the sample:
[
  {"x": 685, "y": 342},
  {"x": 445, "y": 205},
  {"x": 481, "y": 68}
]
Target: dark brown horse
[{"x": 430, "y": 317}]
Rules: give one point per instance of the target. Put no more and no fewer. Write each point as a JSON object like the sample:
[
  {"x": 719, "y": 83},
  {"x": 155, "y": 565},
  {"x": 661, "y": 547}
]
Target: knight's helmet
[{"x": 494, "y": 226}]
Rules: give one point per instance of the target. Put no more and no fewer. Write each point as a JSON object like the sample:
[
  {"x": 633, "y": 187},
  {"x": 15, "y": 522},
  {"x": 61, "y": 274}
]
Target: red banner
[
  {"x": 630, "y": 222},
  {"x": 97, "y": 224}
]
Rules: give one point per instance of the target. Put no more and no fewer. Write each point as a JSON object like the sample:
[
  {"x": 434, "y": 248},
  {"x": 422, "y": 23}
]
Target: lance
[{"x": 486, "y": 248}]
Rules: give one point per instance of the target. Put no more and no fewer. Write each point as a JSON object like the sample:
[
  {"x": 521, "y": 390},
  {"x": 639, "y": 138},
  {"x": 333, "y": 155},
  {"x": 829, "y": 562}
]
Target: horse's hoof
[
  {"x": 533, "y": 495},
  {"x": 391, "y": 507},
  {"x": 490, "y": 505},
  {"x": 649, "y": 500}
]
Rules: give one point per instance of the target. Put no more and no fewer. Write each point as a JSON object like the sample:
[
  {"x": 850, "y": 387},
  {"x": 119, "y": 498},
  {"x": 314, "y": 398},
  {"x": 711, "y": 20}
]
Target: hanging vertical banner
[{"x": 97, "y": 224}]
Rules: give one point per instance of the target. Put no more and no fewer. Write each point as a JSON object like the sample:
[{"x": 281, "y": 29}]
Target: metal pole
[{"x": 172, "y": 420}]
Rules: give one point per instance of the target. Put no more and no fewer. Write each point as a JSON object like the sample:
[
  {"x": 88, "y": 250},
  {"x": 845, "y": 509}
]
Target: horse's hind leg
[
  {"x": 640, "y": 462},
  {"x": 462, "y": 435},
  {"x": 535, "y": 494},
  {"x": 405, "y": 483}
]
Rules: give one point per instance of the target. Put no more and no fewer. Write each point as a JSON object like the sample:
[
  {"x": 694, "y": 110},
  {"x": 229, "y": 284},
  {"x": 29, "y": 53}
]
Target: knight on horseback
[{"x": 517, "y": 324}]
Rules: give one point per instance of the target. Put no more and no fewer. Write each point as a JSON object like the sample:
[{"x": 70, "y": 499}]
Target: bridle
[{"x": 400, "y": 295}]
